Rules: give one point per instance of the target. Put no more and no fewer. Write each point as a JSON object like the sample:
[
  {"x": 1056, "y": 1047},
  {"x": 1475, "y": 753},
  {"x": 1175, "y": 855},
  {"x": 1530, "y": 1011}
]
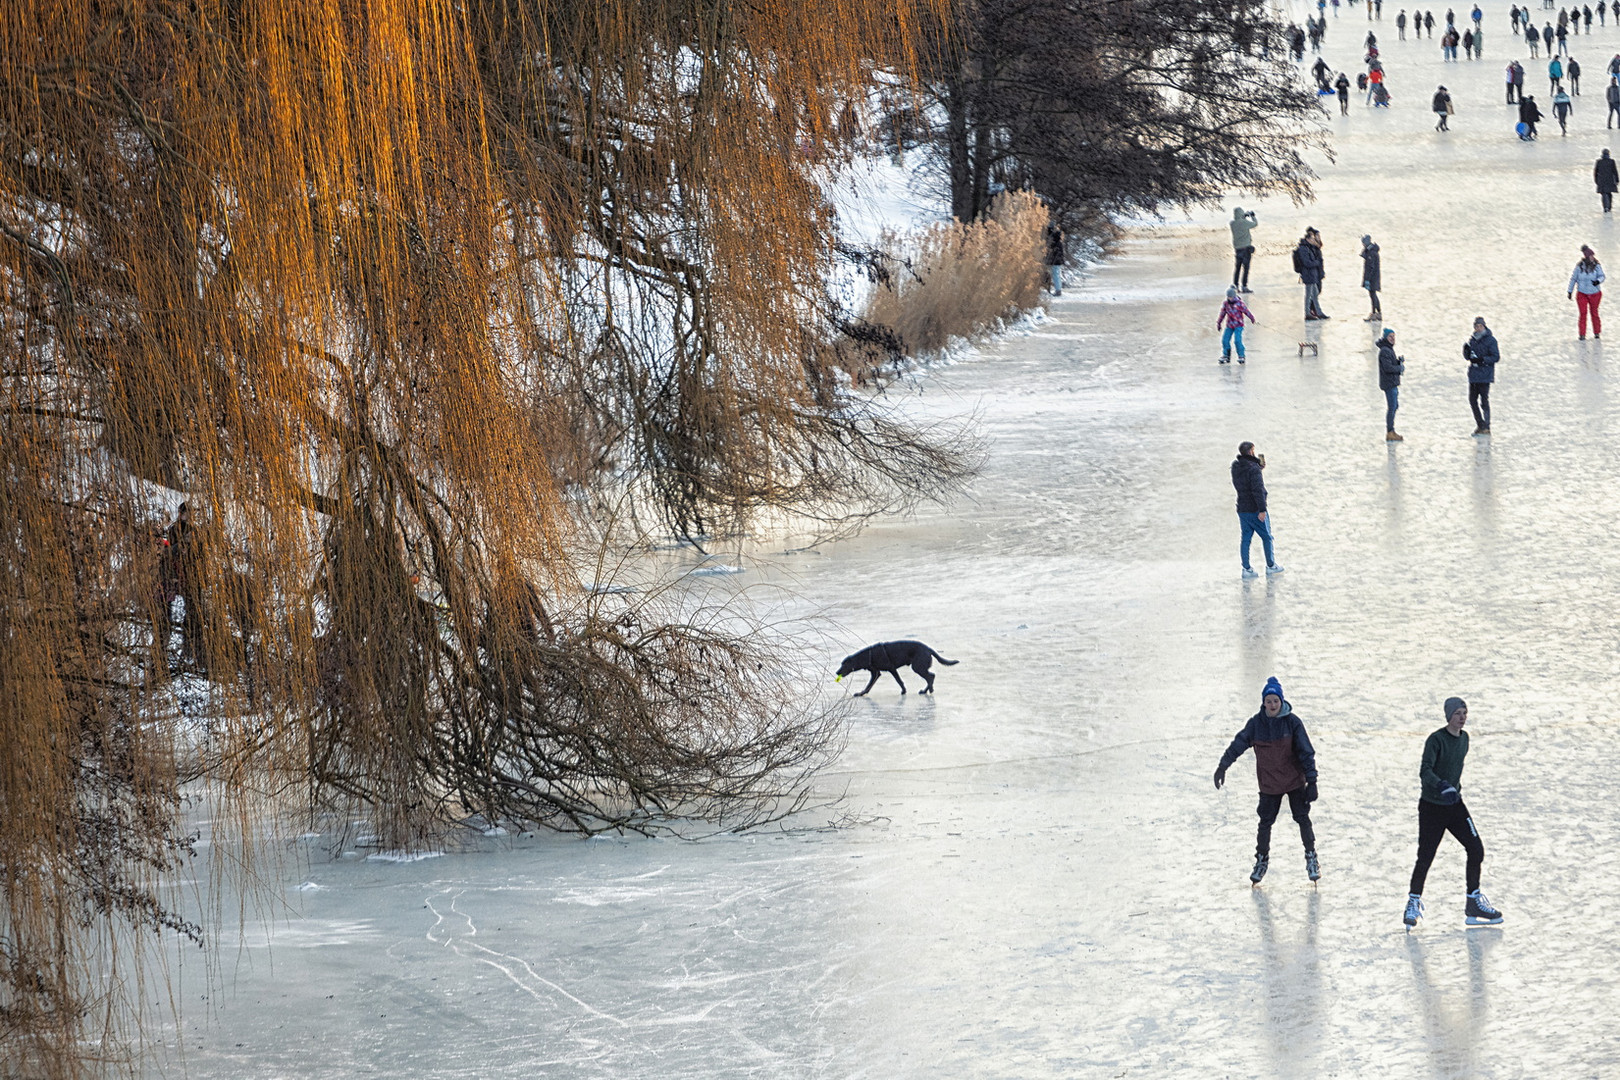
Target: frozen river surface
[{"x": 1034, "y": 876}]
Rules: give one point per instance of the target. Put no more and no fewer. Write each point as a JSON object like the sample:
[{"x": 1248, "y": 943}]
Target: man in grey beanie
[{"x": 1441, "y": 810}]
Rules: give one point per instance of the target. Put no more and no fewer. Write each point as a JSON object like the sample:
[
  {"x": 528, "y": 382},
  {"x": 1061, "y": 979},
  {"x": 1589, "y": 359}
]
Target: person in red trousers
[{"x": 1586, "y": 289}]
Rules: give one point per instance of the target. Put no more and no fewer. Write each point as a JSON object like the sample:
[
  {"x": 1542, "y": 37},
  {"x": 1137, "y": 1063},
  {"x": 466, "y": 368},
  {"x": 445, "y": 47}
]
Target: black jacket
[
  {"x": 1251, "y": 487},
  {"x": 1390, "y": 367},
  {"x": 1482, "y": 356},
  {"x": 1606, "y": 174},
  {"x": 1528, "y": 113},
  {"x": 1371, "y": 277},
  {"x": 1308, "y": 263}
]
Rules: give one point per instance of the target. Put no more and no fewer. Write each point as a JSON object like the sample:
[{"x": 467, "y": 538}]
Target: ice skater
[
  {"x": 1586, "y": 288},
  {"x": 1251, "y": 508},
  {"x": 1528, "y": 115},
  {"x": 1442, "y": 109},
  {"x": 1561, "y": 107},
  {"x": 1242, "y": 225},
  {"x": 1482, "y": 354},
  {"x": 1342, "y": 85},
  {"x": 1055, "y": 256},
  {"x": 1285, "y": 764},
  {"x": 1390, "y": 370},
  {"x": 1371, "y": 277},
  {"x": 1441, "y": 810},
  {"x": 1308, "y": 265},
  {"x": 1604, "y": 173},
  {"x": 1232, "y": 314}
]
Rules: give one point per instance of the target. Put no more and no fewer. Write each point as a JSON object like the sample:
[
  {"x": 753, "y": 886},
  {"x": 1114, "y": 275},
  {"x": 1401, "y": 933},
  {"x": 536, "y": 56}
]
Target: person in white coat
[{"x": 1586, "y": 289}]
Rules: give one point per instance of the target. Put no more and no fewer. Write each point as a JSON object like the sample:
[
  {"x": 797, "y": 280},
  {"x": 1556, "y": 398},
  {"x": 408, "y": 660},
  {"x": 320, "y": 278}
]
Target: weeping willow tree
[{"x": 396, "y": 298}]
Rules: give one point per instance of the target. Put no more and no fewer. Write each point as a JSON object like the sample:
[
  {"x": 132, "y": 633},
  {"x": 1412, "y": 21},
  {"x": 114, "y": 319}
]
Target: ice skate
[
  {"x": 1274, "y": 568},
  {"x": 1414, "y": 911},
  {"x": 1313, "y": 869},
  {"x": 1480, "y": 912},
  {"x": 1248, "y": 573},
  {"x": 1390, "y": 436},
  {"x": 1261, "y": 862}
]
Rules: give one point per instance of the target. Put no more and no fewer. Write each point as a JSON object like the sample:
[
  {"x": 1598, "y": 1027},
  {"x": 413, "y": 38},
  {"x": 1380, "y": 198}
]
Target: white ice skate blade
[{"x": 1475, "y": 920}]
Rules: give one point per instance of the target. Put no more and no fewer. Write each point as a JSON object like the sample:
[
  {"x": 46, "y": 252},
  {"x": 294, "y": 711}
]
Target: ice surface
[{"x": 1034, "y": 876}]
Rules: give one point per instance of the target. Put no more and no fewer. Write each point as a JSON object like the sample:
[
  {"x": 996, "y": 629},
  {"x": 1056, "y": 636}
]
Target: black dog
[{"x": 891, "y": 656}]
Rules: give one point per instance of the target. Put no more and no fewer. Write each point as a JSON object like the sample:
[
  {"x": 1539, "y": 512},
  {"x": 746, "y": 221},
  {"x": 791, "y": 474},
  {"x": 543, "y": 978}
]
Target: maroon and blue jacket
[{"x": 1284, "y": 759}]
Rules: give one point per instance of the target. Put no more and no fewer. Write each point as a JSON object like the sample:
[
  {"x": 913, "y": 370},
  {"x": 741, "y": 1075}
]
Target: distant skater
[
  {"x": 1528, "y": 115},
  {"x": 1482, "y": 354},
  {"x": 1285, "y": 764},
  {"x": 1606, "y": 175},
  {"x": 1561, "y": 107},
  {"x": 1342, "y": 85},
  {"x": 1308, "y": 265},
  {"x": 1442, "y": 109},
  {"x": 1242, "y": 225},
  {"x": 1371, "y": 278},
  {"x": 1612, "y": 96},
  {"x": 1054, "y": 256},
  {"x": 1572, "y": 72},
  {"x": 1251, "y": 507},
  {"x": 1232, "y": 315},
  {"x": 1441, "y": 810},
  {"x": 1586, "y": 289},
  {"x": 1390, "y": 370}
]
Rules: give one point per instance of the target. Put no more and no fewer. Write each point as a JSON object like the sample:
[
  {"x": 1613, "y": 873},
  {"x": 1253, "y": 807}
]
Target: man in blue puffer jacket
[{"x": 1285, "y": 762}]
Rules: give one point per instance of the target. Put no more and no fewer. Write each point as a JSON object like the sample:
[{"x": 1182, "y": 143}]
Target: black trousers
[
  {"x": 1268, "y": 809},
  {"x": 1434, "y": 821},
  {"x": 1608, "y": 200},
  {"x": 1240, "y": 267},
  {"x": 1479, "y": 399}
]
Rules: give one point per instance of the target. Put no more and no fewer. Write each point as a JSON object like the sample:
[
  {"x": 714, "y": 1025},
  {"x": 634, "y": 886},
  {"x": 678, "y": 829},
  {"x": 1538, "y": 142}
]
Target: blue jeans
[
  {"x": 1228, "y": 337},
  {"x": 1392, "y": 396},
  {"x": 1251, "y": 526},
  {"x": 1057, "y": 280}
]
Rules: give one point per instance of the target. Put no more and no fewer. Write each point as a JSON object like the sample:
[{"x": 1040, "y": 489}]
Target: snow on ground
[{"x": 1034, "y": 876}]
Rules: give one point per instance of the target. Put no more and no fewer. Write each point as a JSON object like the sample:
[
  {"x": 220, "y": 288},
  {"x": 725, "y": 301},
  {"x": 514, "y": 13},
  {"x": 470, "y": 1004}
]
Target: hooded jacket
[
  {"x": 1606, "y": 174},
  {"x": 1250, "y": 485},
  {"x": 1241, "y": 226},
  {"x": 1390, "y": 366},
  {"x": 1482, "y": 355},
  {"x": 1308, "y": 263},
  {"x": 1284, "y": 759}
]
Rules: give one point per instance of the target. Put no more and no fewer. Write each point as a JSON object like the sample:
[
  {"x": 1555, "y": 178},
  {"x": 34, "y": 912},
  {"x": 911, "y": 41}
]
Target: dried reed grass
[{"x": 955, "y": 281}]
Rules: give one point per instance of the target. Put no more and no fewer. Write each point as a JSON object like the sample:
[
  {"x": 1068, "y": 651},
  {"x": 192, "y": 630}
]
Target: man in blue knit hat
[
  {"x": 1441, "y": 810},
  {"x": 1286, "y": 765}
]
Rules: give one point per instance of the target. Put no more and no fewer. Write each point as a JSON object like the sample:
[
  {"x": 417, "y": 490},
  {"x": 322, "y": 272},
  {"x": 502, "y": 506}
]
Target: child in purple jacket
[{"x": 1233, "y": 313}]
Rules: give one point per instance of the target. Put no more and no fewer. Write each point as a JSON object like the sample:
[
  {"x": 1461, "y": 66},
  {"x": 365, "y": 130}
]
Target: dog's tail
[{"x": 941, "y": 659}]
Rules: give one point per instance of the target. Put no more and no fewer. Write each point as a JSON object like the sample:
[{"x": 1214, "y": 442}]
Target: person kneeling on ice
[
  {"x": 1232, "y": 313},
  {"x": 1286, "y": 765},
  {"x": 1441, "y": 810}
]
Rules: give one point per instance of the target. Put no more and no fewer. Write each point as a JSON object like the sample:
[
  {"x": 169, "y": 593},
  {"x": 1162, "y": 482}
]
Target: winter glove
[
  {"x": 1310, "y": 791},
  {"x": 1220, "y": 777},
  {"x": 1572, "y": 296},
  {"x": 1450, "y": 796}
]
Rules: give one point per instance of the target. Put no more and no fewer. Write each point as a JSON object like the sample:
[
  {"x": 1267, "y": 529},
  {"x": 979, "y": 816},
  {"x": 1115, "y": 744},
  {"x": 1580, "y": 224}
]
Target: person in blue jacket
[
  {"x": 1482, "y": 354},
  {"x": 1285, "y": 763}
]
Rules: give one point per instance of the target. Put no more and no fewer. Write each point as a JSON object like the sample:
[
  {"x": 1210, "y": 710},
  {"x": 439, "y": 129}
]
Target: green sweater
[{"x": 1443, "y": 755}]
